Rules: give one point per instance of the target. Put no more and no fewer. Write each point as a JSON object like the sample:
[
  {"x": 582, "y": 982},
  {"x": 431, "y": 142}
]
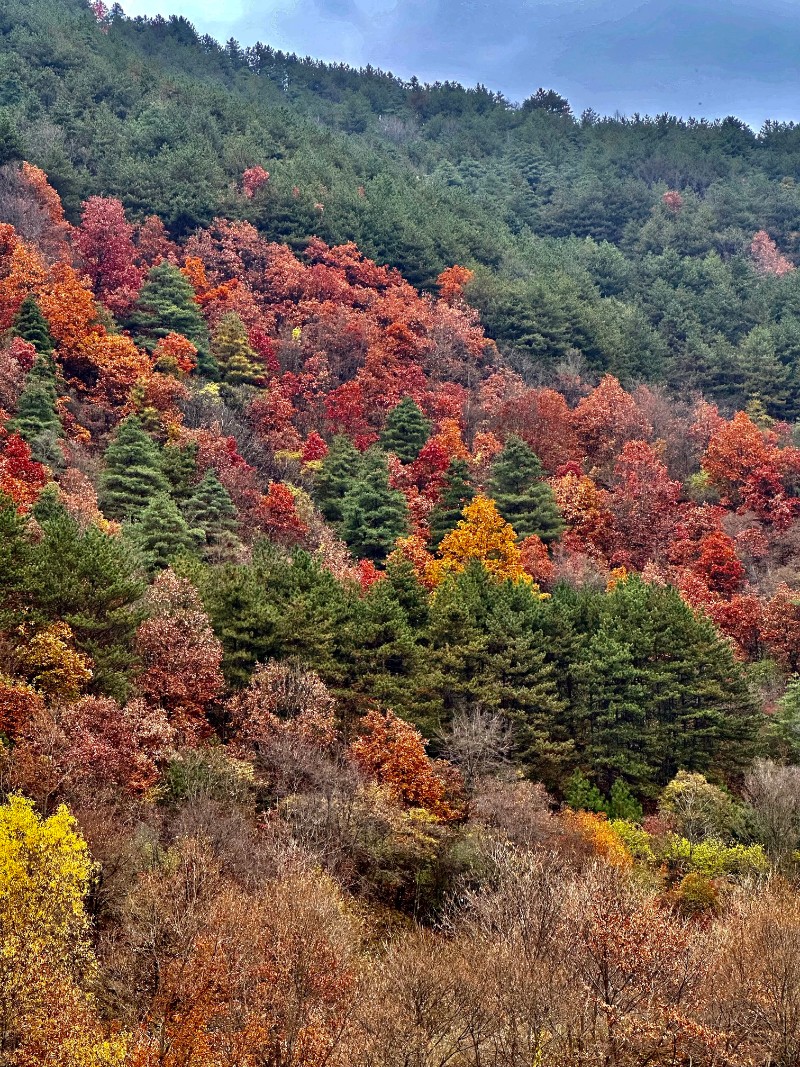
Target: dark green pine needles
[
  {"x": 522, "y": 496},
  {"x": 133, "y": 474},
  {"x": 166, "y": 304},
  {"x": 373, "y": 514},
  {"x": 406, "y": 431}
]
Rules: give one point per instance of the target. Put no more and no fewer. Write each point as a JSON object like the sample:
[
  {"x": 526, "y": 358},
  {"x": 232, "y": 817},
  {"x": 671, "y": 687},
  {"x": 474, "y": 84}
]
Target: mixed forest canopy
[{"x": 399, "y": 567}]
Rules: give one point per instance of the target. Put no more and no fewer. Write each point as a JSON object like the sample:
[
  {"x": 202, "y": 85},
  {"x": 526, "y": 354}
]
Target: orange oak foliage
[
  {"x": 21, "y": 477},
  {"x": 392, "y": 752}
]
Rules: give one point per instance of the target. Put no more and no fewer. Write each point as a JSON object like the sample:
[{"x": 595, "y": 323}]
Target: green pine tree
[
  {"x": 406, "y": 431},
  {"x": 335, "y": 476},
  {"x": 31, "y": 325},
  {"x": 522, "y": 496},
  {"x": 15, "y": 549},
  {"x": 133, "y": 474},
  {"x": 656, "y": 690},
  {"x": 37, "y": 420},
  {"x": 622, "y": 804},
  {"x": 373, "y": 514},
  {"x": 211, "y": 511},
  {"x": 238, "y": 363},
  {"x": 179, "y": 466},
  {"x": 166, "y": 304},
  {"x": 161, "y": 533},
  {"x": 582, "y": 795},
  {"x": 88, "y": 579},
  {"x": 457, "y": 492}
]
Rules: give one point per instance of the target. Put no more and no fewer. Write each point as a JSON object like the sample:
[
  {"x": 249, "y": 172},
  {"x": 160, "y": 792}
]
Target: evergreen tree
[
  {"x": 658, "y": 690},
  {"x": 238, "y": 363},
  {"x": 166, "y": 304},
  {"x": 37, "y": 420},
  {"x": 488, "y": 648},
  {"x": 335, "y": 476},
  {"x": 373, "y": 514},
  {"x": 31, "y": 325},
  {"x": 211, "y": 511},
  {"x": 384, "y": 660},
  {"x": 15, "y": 550},
  {"x": 133, "y": 474},
  {"x": 179, "y": 466},
  {"x": 88, "y": 579},
  {"x": 457, "y": 492},
  {"x": 406, "y": 431},
  {"x": 523, "y": 498},
  {"x": 161, "y": 532},
  {"x": 582, "y": 795}
]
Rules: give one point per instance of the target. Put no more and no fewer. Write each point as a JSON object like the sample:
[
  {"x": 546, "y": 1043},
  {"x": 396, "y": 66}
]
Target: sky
[{"x": 709, "y": 58}]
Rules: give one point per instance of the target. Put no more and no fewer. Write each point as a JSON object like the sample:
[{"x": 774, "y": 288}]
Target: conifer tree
[
  {"x": 211, "y": 511},
  {"x": 179, "y": 466},
  {"x": 373, "y": 514},
  {"x": 133, "y": 474},
  {"x": 161, "y": 532},
  {"x": 457, "y": 492},
  {"x": 88, "y": 579},
  {"x": 523, "y": 498},
  {"x": 31, "y": 325},
  {"x": 37, "y": 420},
  {"x": 238, "y": 363},
  {"x": 406, "y": 430},
  {"x": 335, "y": 476},
  {"x": 166, "y": 304}
]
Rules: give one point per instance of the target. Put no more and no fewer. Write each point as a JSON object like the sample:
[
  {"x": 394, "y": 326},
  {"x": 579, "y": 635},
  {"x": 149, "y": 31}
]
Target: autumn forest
[{"x": 399, "y": 567}]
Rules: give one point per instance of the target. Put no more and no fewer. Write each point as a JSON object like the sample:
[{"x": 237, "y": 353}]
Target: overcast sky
[{"x": 688, "y": 57}]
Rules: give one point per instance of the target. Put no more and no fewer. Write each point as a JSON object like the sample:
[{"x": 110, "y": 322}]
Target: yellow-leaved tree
[
  {"x": 482, "y": 535},
  {"x": 47, "y": 1019}
]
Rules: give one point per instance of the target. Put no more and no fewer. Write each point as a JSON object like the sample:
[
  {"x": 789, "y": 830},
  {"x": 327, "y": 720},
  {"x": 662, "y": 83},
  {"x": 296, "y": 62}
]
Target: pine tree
[
  {"x": 238, "y": 363},
  {"x": 211, "y": 511},
  {"x": 161, "y": 532},
  {"x": 166, "y": 304},
  {"x": 373, "y": 514},
  {"x": 15, "y": 549},
  {"x": 31, "y": 325},
  {"x": 523, "y": 498},
  {"x": 37, "y": 420},
  {"x": 335, "y": 476},
  {"x": 458, "y": 491},
  {"x": 658, "y": 690},
  {"x": 88, "y": 579},
  {"x": 581, "y": 795},
  {"x": 133, "y": 474},
  {"x": 385, "y": 656},
  {"x": 406, "y": 431},
  {"x": 179, "y": 466}
]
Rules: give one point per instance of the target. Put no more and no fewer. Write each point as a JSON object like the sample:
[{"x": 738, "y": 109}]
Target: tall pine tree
[
  {"x": 406, "y": 430},
  {"x": 211, "y": 511},
  {"x": 31, "y": 325},
  {"x": 166, "y": 304},
  {"x": 37, "y": 420},
  {"x": 238, "y": 363},
  {"x": 133, "y": 474},
  {"x": 161, "y": 532},
  {"x": 335, "y": 476},
  {"x": 522, "y": 496},
  {"x": 373, "y": 514}
]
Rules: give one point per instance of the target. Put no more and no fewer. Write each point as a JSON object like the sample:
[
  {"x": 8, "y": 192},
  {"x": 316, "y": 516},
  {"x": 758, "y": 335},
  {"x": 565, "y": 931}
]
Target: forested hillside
[
  {"x": 579, "y": 258},
  {"x": 399, "y": 568}
]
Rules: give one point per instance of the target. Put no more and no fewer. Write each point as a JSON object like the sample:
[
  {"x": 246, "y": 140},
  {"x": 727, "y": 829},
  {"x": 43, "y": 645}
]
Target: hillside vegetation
[{"x": 399, "y": 568}]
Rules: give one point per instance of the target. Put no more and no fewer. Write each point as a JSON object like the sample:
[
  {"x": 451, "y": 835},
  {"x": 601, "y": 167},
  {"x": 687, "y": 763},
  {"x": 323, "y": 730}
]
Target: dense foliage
[{"x": 399, "y": 581}]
